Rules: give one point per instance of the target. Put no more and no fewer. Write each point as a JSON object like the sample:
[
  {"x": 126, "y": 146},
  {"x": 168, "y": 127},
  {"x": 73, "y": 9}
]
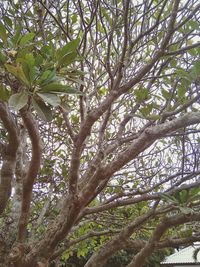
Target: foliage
[
  {"x": 99, "y": 131},
  {"x": 120, "y": 259}
]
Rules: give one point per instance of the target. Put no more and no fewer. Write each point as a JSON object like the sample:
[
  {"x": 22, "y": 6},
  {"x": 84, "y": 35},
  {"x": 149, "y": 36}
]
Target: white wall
[{"x": 186, "y": 265}]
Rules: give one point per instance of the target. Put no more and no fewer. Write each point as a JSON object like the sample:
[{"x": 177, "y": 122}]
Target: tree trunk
[{"x": 4, "y": 259}]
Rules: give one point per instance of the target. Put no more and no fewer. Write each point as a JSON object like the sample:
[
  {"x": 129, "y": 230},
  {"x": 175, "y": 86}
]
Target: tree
[{"x": 99, "y": 129}]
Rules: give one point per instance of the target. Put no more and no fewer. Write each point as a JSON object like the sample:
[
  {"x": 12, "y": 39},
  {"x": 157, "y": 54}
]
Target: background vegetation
[{"x": 99, "y": 131}]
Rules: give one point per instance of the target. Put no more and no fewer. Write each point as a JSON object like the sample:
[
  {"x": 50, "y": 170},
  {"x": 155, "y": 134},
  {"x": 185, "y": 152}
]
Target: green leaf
[
  {"x": 195, "y": 70},
  {"x": 8, "y": 21},
  {"x": 103, "y": 91},
  {"x": 38, "y": 60},
  {"x": 193, "y": 198},
  {"x": 184, "y": 75},
  {"x": 3, "y": 34},
  {"x": 75, "y": 119},
  {"x": 59, "y": 88},
  {"x": 17, "y": 72},
  {"x": 66, "y": 255},
  {"x": 181, "y": 91},
  {"x": 25, "y": 68},
  {"x": 28, "y": 66},
  {"x": 173, "y": 63},
  {"x": 74, "y": 18},
  {"x": 194, "y": 191},
  {"x": 165, "y": 94},
  {"x": 193, "y": 52},
  {"x": 186, "y": 210},
  {"x": 27, "y": 38},
  {"x": 168, "y": 198},
  {"x": 67, "y": 59},
  {"x": 47, "y": 77},
  {"x": 17, "y": 35},
  {"x": 2, "y": 57},
  {"x": 51, "y": 99},
  {"x": 141, "y": 94},
  {"x": 68, "y": 48},
  {"x": 183, "y": 196},
  {"x": 47, "y": 51},
  {"x": 30, "y": 59},
  {"x": 153, "y": 117},
  {"x": 4, "y": 93},
  {"x": 43, "y": 111},
  {"x": 18, "y": 101},
  {"x": 44, "y": 76},
  {"x": 194, "y": 194},
  {"x": 146, "y": 110},
  {"x": 193, "y": 24},
  {"x": 107, "y": 15}
]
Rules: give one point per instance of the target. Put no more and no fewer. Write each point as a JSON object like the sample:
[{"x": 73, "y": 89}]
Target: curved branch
[
  {"x": 167, "y": 223},
  {"x": 183, "y": 49},
  {"x": 34, "y": 166},
  {"x": 99, "y": 258},
  {"x": 9, "y": 154},
  {"x": 96, "y": 113},
  {"x": 73, "y": 242},
  {"x": 145, "y": 140}
]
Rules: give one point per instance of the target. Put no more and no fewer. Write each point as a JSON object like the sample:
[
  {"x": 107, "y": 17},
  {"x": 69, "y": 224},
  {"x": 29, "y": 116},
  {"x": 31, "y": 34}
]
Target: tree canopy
[{"x": 99, "y": 130}]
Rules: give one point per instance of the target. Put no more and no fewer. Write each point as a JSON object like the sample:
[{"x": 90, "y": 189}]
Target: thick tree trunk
[
  {"x": 4, "y": 262},
  {"x": 12, "y": 257}
]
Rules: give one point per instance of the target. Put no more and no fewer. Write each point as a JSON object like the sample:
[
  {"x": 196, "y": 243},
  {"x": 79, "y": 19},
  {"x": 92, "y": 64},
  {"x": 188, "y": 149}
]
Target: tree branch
[
  {"x": 117, "y": 243},
  {"x": 145, "y": 140},
  {"x": 183, "y": 49},
  {"x": 167, "y": 223},
  {"x": 9, "y": 155},
  {"x": 34, "y": 166}
]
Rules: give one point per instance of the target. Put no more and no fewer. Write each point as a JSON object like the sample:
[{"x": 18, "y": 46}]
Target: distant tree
[
  {"x": 120, "y": 259},
  {"x": 99, "y": 129}
]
